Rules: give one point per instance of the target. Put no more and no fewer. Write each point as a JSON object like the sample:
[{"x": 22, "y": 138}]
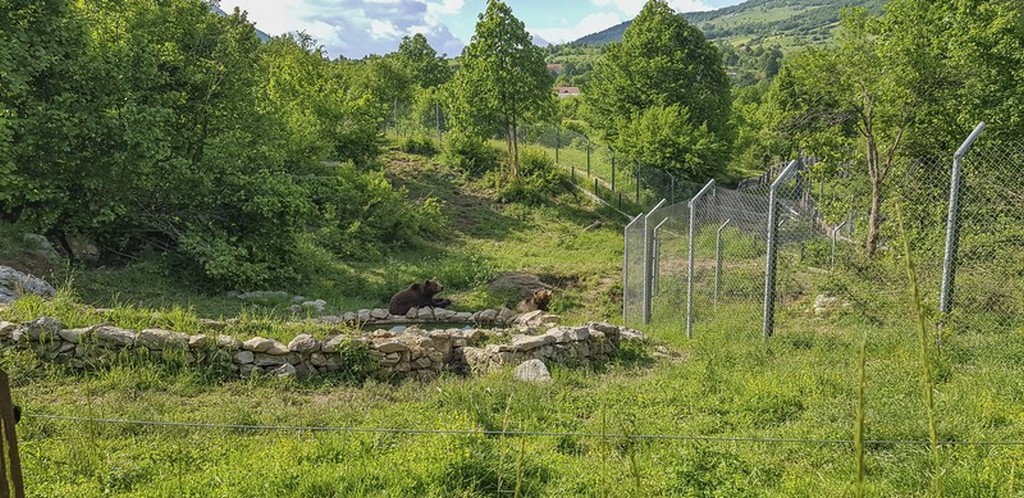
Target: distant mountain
[{"x": 787, "y": 23}]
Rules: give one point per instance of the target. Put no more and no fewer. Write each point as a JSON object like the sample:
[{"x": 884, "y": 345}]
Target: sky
[{"x": 355, "y": 28}]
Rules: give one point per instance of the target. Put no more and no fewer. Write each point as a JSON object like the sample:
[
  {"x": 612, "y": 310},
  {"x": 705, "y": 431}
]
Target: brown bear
[
  {"x": 538, "y": 301},
  {"x": 417, "y": 296}
]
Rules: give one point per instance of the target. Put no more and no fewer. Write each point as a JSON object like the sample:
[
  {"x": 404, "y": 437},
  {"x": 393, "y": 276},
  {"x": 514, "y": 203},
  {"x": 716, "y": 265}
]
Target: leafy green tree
[
  {"x": 425, "y": 67},
  {"x": 41, "y": 50},
  {"x": 664, "y": 70},
  {"x": 502, "y": 80},
  {"x": 851, "y": 92}
]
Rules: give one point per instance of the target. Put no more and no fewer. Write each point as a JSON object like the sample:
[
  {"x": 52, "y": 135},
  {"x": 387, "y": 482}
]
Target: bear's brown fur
[
  {"x": 417, "y": 296},
  {"x": 538, "y": 301}
]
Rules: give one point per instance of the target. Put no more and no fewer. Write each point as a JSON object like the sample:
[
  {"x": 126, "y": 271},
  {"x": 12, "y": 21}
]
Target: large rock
[
  {"x": 379, "y": 314},
  {"x": 159, "y": 339},
  {"x": 390, "y": 346},
  {"x": 41, "y": 246},
  {"x": 303, "y": 344},
  {"x": 521, "y": 284},
  {"x": 42, "y": 329},
  {"x": 315, "y": 306},
  {"x": 532, "y": 371},
  {"x": 333, "y": 344},
  {"x": 826, "y": 304},
  {"x": 244, "y": 357},
  {"x": 264, "y": 345},
  {"x": 229, "y": 343},
  {"x": 286, "y": 370},
  {"x": 531, "y": 342},
  {"x": 14, "y": 283},
  {"x": 115, "y": 336},
  {"x": 202, "y": 341}
]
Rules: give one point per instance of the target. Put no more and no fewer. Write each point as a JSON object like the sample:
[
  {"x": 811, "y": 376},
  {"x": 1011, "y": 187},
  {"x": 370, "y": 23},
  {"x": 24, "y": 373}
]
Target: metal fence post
[
  {"x": 613, "y": 173},
  {"x": 558, "y": 143},
  {"x": 638, "y": 182},
  {"x": 588, "y": 157},
  {"x": 689, "y": 265},
  {"x": 835, "y": 232},
  {"x": 648, "y": 253},
  {"x": 952, "y": 223},
  {"x": 625, "y": 267},
  {"x": 770, "y": 254},
  {"x": 657, "y": 257},
  {"x": 718, "y": 260}
]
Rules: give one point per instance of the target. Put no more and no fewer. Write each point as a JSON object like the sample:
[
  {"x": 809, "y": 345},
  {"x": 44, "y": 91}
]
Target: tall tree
[
  {"x": 426, "y": 68},
  {"x": 851, "y": 92},
  {"x": 664, "y": 72},
  {"x": 502, "y": 80}
]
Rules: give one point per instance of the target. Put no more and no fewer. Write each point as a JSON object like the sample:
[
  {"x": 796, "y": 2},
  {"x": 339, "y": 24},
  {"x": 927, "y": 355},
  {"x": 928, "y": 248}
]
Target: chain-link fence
[
  {"x": 614, "y": 177},
  {"x": 984, "y": 283},
  {"x": 751, "y": 257}
]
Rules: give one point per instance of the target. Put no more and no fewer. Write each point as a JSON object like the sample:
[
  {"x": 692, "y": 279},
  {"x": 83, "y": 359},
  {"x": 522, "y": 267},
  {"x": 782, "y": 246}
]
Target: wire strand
[{"x": 513, "y": 434}]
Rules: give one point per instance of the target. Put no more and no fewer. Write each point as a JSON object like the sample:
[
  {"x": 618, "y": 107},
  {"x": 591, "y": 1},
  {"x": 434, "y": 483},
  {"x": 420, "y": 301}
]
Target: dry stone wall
[{"x": 388, "y": 353}]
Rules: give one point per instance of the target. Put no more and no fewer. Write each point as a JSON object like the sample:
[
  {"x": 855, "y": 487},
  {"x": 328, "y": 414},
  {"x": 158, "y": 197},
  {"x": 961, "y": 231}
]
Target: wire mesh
[
  {"x": 633, "y": 272},
  {"x": 989, "y": 263}
]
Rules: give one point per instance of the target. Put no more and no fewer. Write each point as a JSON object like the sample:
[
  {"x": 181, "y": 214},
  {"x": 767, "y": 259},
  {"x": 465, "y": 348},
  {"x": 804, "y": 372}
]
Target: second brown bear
[{"x": 538, "y": 301}]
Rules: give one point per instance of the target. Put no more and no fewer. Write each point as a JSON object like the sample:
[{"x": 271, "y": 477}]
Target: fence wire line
[{"x": 513, "y": 434}]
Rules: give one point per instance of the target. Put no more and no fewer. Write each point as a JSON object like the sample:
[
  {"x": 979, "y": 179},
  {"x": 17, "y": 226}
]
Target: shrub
[
  {"x": 538, "y": 179},
  {"x": 419, "y": 144},
  {"x": 469, "y": 154}
]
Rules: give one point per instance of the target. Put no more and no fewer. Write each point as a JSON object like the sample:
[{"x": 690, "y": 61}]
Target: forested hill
[{"x": 776, "y": 22}]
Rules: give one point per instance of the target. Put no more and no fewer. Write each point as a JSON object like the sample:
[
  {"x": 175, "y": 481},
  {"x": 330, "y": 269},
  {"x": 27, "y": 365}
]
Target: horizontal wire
[{"x": 477, "y": 432}]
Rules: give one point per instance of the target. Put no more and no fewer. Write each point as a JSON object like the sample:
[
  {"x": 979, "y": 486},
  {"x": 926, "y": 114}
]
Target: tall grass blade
[
  {"x": 922, "y": 336},
  {"x": 858, "y": 428}
]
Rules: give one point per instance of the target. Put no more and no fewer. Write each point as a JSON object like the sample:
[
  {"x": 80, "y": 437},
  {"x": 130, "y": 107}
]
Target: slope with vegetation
[{"x": 789, "y": 23}]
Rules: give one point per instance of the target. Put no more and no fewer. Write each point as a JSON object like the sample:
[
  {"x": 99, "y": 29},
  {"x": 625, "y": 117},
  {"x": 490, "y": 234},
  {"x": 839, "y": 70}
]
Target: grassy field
[{"x": 723, "y": 414}]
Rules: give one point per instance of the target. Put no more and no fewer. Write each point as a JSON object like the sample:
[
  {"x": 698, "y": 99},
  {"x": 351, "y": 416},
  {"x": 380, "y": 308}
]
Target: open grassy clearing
[{"x": 725, "y": 383}]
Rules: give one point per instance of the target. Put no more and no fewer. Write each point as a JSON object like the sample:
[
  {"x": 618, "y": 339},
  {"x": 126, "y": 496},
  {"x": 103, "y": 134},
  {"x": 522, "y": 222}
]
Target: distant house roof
[
  {"x": 567, "y": 91},
  {"x": 556, "y": 67}
]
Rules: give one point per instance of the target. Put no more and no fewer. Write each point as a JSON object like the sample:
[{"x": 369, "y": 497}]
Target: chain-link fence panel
[
  {"x": 987, "y": 284},
  {"x": 633, "y": 272},
  {"x": 670, "y": 242}
]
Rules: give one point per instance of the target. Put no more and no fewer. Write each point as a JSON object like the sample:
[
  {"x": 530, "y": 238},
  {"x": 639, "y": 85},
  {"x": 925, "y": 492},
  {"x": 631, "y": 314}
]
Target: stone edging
[{"x": 410, "y": 353}]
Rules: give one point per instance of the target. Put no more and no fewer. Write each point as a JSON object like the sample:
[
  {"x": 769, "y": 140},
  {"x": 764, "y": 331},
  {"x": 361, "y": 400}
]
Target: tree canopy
[
  {"x": 664, "y": 73},
  {"x": 502, "y": 80}
]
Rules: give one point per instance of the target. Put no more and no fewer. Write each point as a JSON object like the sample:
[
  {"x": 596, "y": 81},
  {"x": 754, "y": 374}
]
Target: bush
[
  {"x": 470, "y": 154},
  {"x": 419, "y": 144},
  {"x": 538, "y": 179},
  {"x": 361, "y": 214}
]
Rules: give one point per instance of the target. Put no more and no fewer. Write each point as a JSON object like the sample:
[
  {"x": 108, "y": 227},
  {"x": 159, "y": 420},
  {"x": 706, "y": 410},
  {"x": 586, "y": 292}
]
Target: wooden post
[{"x": 11, "y": 484}]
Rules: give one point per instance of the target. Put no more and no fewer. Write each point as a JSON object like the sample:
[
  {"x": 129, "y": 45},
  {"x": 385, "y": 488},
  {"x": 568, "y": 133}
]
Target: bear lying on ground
[
  {"x": 417, "y": 296},
  {"x": 538, "y": 301}
]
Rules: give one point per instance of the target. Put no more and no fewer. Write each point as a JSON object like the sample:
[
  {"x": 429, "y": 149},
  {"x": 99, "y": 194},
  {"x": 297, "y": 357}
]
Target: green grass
[
  {"x": 801, "y": 385},
  {"x": 811, "y": 382}
]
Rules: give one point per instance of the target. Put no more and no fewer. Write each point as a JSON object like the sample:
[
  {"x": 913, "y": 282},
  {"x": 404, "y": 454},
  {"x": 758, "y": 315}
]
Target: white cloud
[
  {"x": 632, "y": 7},
  {"x": 355, "y": 28},
  {"x": 591, "y": 24}
]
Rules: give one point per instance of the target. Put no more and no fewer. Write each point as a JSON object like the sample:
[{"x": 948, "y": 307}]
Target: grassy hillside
[{"x": 786, "y": 23}]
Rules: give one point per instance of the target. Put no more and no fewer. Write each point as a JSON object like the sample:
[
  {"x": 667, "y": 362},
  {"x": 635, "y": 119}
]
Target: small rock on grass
[{"x": 532, "y": 371}]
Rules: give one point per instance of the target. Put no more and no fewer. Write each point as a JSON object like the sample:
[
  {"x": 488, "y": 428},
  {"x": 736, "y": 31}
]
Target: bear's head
[
  {"x": 542, "y": 297},
  {"x": 431, "y": 287}
]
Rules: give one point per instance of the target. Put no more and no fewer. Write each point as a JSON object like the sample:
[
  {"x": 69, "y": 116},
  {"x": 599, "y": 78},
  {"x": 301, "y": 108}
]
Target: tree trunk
[
  {"x": 875, "y": 176},
  {"x": 515, "y": 150},
  {"x": 509, "y": 139}
]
